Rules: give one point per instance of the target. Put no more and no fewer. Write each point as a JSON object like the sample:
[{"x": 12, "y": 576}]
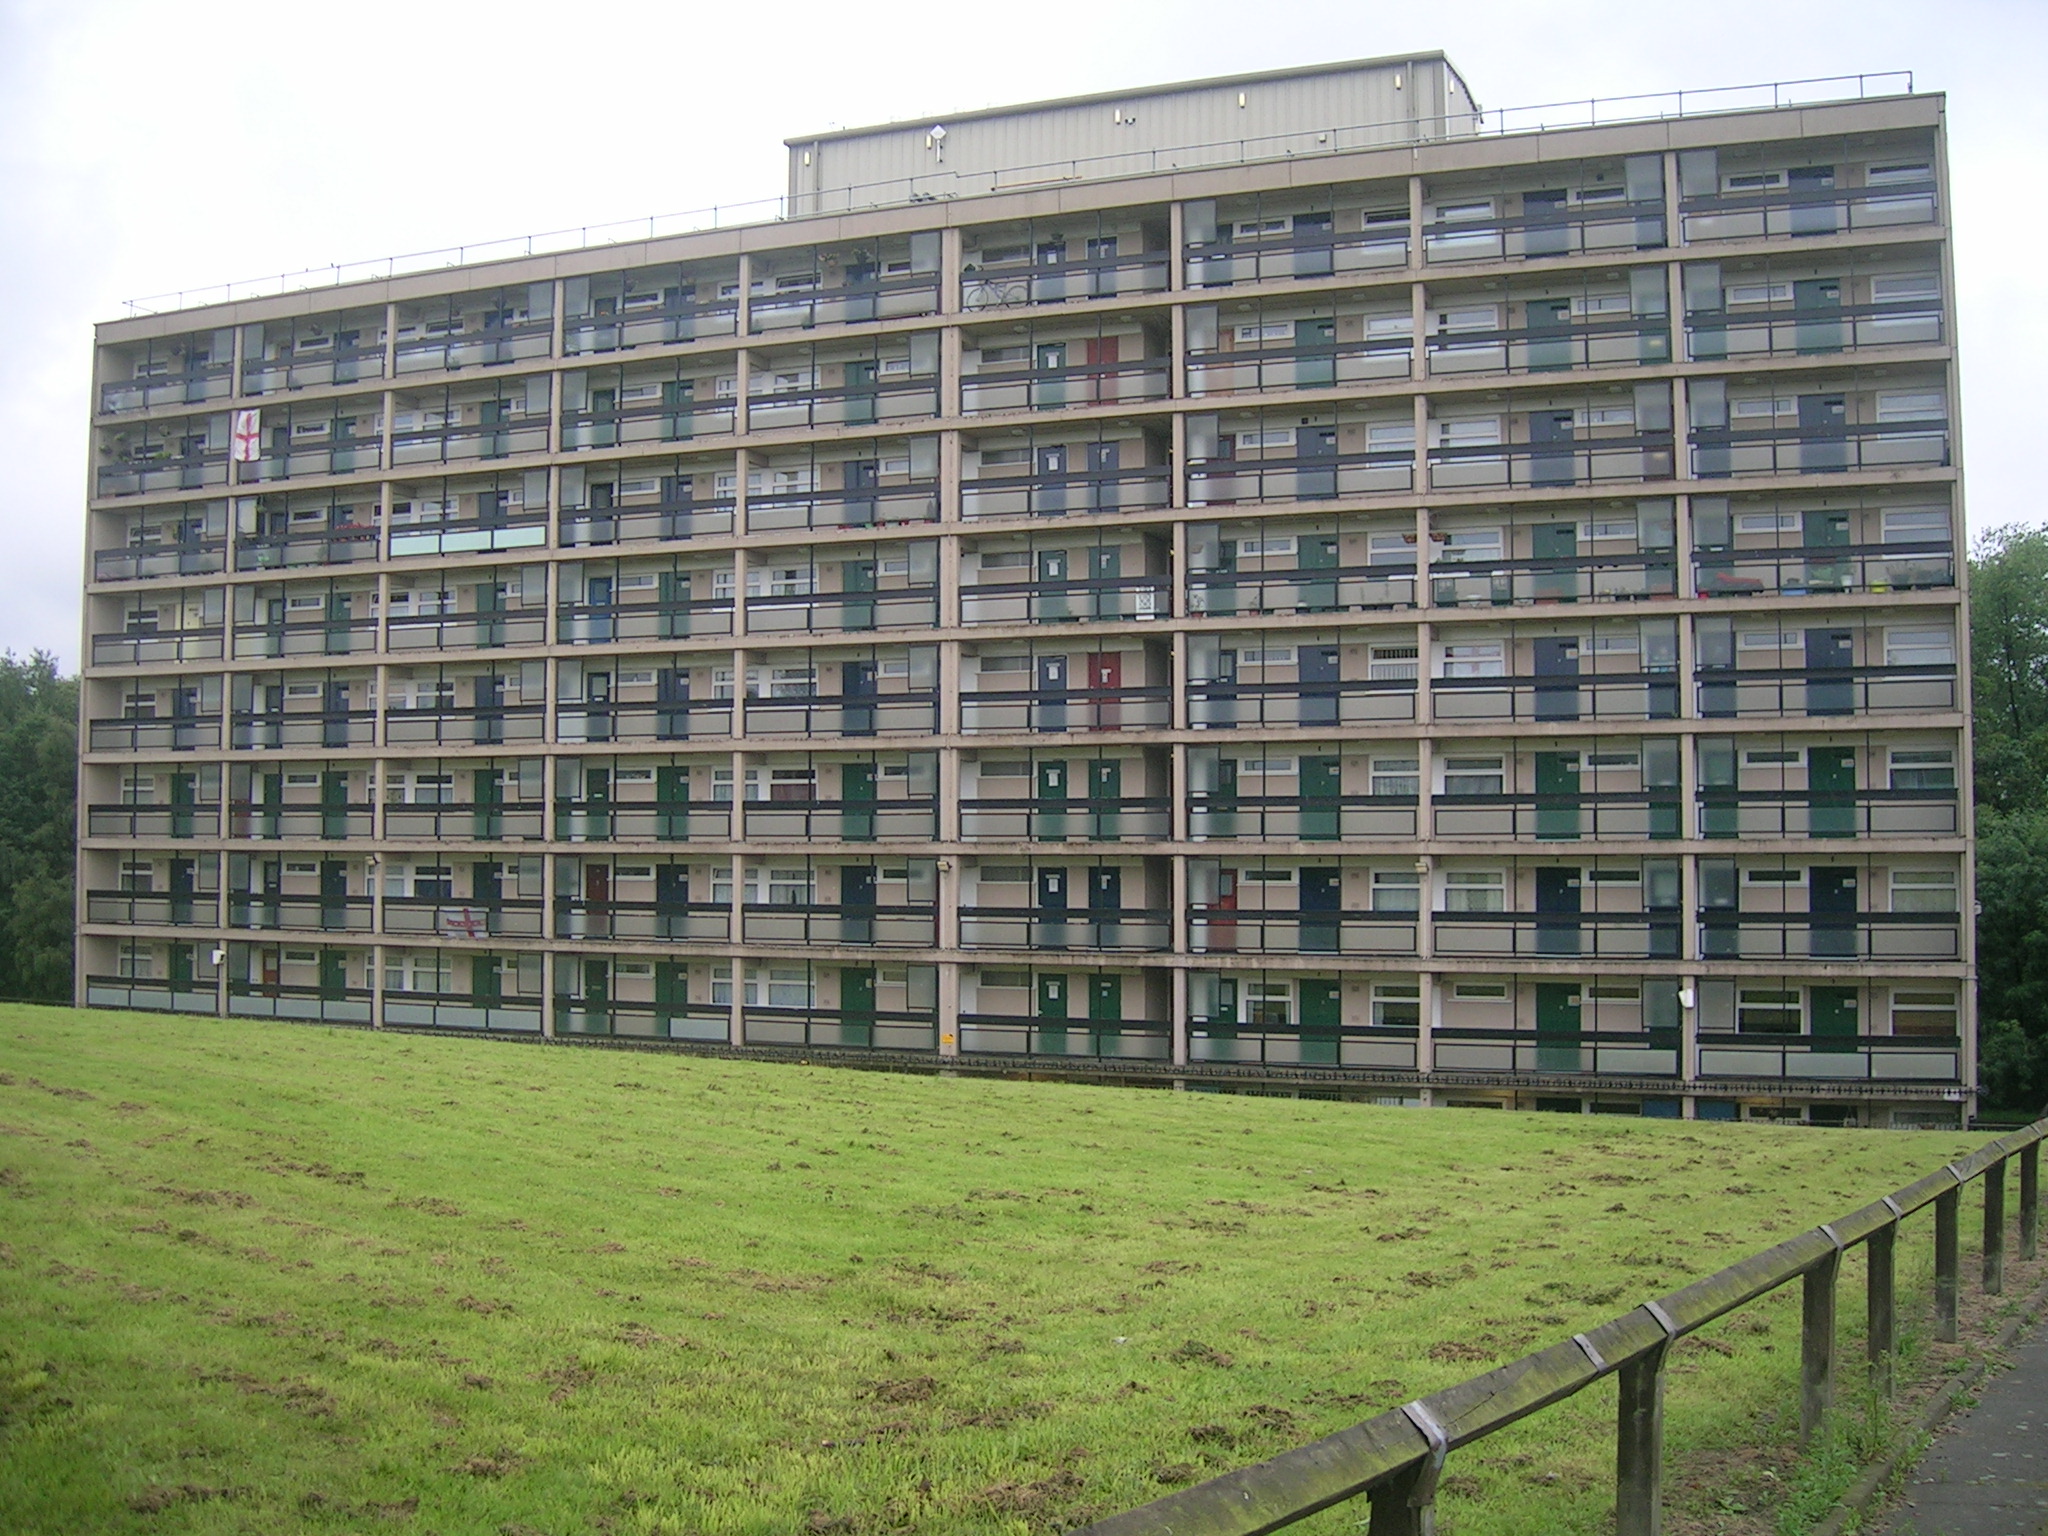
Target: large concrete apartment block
[{"x": 1405, "y": 613}]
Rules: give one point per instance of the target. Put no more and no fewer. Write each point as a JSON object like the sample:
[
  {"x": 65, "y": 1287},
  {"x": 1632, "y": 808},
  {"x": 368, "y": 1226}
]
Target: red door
[
  {"x": 1223, "y": 930},
  {"x": 1103, "y": 382},
  {"x": 1105, "y": 685},
  {"x": 597, "y": 897}
]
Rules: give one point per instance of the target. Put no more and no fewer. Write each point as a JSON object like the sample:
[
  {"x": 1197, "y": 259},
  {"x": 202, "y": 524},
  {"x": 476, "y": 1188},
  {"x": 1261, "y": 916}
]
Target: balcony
[
  {"x": 333, "y": 448},
  {"x": 914, "y": 818},
  {"x": 867, "y": 397},
  {"x": 1849, "y": 1057},
  {"x": 269, "y": 730},
  {"x": 331, "y": 821},
  {"x": 675, "y": 1019},
  {"x": 337, "y": 632},
  {"x": 191, "y": 818},
  {"x": 485, "y": 629},
  {"x": 494, "y": 525},
  {"x": 1729, "y": 935},
  {"x": 679, "y": 718},
  {"x": 1814, "y": 208},
  {"x": 913, "y": 925},
  {"x": 1545, "y": 229},
  {"x": 1136, "y": 597},
  {"x": 656, "y": 318},
  {"x": 1219, "y": 482},
  {"x": 1379, "y": 585},
  {"x": 145, "y": 733},
  {"x": 1629, "y": 341},
  {"x": 1627, "y": 815},
  {"x": 677, "y": 512},
  {"x": 478, "y": 918},
  {"x": 1221, "y": 929},
  {"x": 1222, "y": 815},
  {"x": 135, "y": 646},
  {"x": 305, "y": 364},
  {"x": 1618, "y": 1053},
  {"x": 1388, "y": 1047},
  {"x": 676, "y": 416},
  {"x": 318, "y": 1004},
  {"x": 1302, "y": 365},
  {"x": 152, "y": 994},
  {"x": 1722, "y": 452},
  {"x": 1311, "y": 248},
  {"x": 582, "y": 917},
  {"x": 192, "y": 381},
  {"x": 1004, "y": 1034},
  {"x": 1055, "y": 278},
  {"x": 299, "y": 914},
  {"x": 195, "y": 908},
  {"x": 1059, "y": 492},
  {"x": 291, "y": 544},
  {"x": 185, "y": 557},
  {"x": 852, "y": 609},
  {"x": 480, "y": 725},
  {"x": 1080, "y": 928},
  {"x": 652, "y": 617},
  {"x": 1564, "y": 695},
  {"x": 867, "y": 506},
  {"x": 478, "y": 340},
  {"x": 852, "y": 1028},
  {"x": 1620, "y": 577},
  {"x": 1228, "y": 704},
  {"x": 155, "y": 467},
  {"x": 854, "y": 300},
  {"x": 1640, "y": 935},
  {"x": 849, "y": 713},
  {"x": 1893, "y": 566},
  {"x": 1563, "y": 460},
  {"x": 1114, "y": 707},
  {"x": 1825, "y": 813},
  {"x": 669, "y": 820},
  {"x": 462, "y": 1010},
  {"x": 500, "y": 429},
  {"x": 994, "y": 389},
  {"x": 1796, "y": 330},
  {"x": 1065, "y": 818},
  {"x": 1732, "y": 691}
]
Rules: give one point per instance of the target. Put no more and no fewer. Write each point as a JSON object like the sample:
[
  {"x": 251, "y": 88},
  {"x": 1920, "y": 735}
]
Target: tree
[
  {"x": 2009, "y": 677},
  {"x": 38, "y": 826}
]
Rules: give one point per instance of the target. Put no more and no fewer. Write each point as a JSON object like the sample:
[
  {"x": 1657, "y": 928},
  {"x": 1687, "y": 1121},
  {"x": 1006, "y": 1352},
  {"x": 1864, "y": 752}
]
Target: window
[
  {"x": 1455, "y": 213},
  {"x": 1898, "y": 171},
  {"x": 1483, "y": 658},
  {"x": 1483, "y": 317},
  {"x": 1390, "y": 549},
  {"x": 1914, "y": 405},
  {"x": 1266, "y": 876},
  {"x": 1005, "y": 874},
  {"x": 1268, "y": 1004},
  {"x": 1268, "y": 768},
  {"x": 1904, "y": 287},
  {"x": 1923, "y": 890},
  {"x": 1774, "y": 878},
  {"x": 1614, "y": 992},
  {"x": 1252, "y": 548},
  {"x": 1390, "y": 437},
  {"x": 1614, "y": 877},
  {"x": 789, "y": 887},
  {"x": 1923, "y": 768},
  {"x": 1471, "y": 432},
  {"x": 1768, "y": 1011},
  {"x": 1931, "y": 1012},
  {"x": 1252, "y": 442},
  {"x": 1770, "y": 759},
  {"x": 1614, "y": 759},
  {"x": 1779, "y": 405},
  {"x": 1006, "y": 560},
  {"x": 1396, "y": 1005},
  {"x": 1919, "y": 648},
  {"x": 1474, "y": 776},
  {"x": 1266, "y": 656},
  {"x": 1265, "y": 330},
  {"x": 1767, "y": 522},
  {"x": 1480, "y": 991},
  {"x": 1392, "y": 663},
  {"x": 1396, "y": 890},
  {"x": 1006, "y": 770},
  {"x": 1005, "y": 664},
  {"x": 1396, "y": 776},
  {"x": 1758, "y": 293},
  {"x": 1769, "y": 640},
  {"x": 788, "y": 986},
  {"x": 1604, "y": 416},
  {"x": 1915, "y": 524},
  {"x": 1619, "y": 528},
  {"x": 1475, "y": 890},
  {"x": 1005, "y": 981},
  {"x": 1462, "y": 545}
]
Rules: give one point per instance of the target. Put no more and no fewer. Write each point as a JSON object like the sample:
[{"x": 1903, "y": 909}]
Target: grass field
[{"x": 266, "y": 1278}]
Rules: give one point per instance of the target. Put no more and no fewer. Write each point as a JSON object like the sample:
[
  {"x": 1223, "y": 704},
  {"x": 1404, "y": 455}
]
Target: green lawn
[{"x": 262, "y": 1277}]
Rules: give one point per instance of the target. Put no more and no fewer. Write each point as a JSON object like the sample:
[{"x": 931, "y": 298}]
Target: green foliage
[{"x": 38, "y": 823}]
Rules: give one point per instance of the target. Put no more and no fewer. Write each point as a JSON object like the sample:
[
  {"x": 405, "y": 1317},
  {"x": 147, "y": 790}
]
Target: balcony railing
[
  {"x": 301, "y": 914},
  {"x": 1557, "y": 579},
  {"x": 1216, "y": 815},
  {"x": 1215, "y": 705},
  {"x": 334, "y": 364},
  {"x": 1608, "y": 814},
  {"x": 1830, "y": 935},
  {"x": 1569, "y": 696},
  {"x": 912, "y": 712},
  {"x": 312, "y": 546},
  {"x": 852, "y": 821},
  {"x": 1622, "y": 1053},
  {"x": 664, "y": 821},
  {"x": 470, "y": 440},
  {"x": 656, "y": 619},
  {"x": 676, "y": 1020},
  {"x": 303, "y": 458},
  {"x": 1614, "y": 225},
  {"x": 1634, "y": 456},
  {"x": 152, "y": 995},
  {"x": 1596, "y": 935},
  {"x": 1825, "y": 690},
  {"x": 1855, "y": 1058},
  {"x": 445, "y": 916},
  {"x": 998, "y": 711},
  {"x": 340, "y": 636},
  {"x": 195, "y": 557},
  {"x": 1137, "y": 597},
  {"x": 1008, "y": 1035},
  {"x": 137, "y": 646},
  {"x": 524, "y": 529},
  {"x": 1305, "y": 589},
  {"x": 164, "y": 472},
  {"x": 440, "y": 350},
  {"x": 1064, "y": 492},
  {"x": 658, "y": 421},
  {"x": 1008, "y": 285},
  {"x": 466, "y": 821},
  {"x": 1720, "y": 452},
  {"x": 662, "y": 720},
  {"x": 1065, "y": 818},
  {"x": 1386, "y": 1046},
  {"x": 893, "y": 397},
  {"x": 1323, "y": 365},
  {"x": 272, "y": 1000},
  {"x": 1626, "y": 342},
  {"x": 1806, "y": 211},
  {"x": 1789, "y": 330},
  {"x": 854, "y": 301},
  {"x": 188, "y": 386},
  {"x": 259, "y": 730},
  {"x": 1103, "y": 928},
  {"x": 1300, "y": 253},
  {"x": 1889, "y": 567},
  {"x": 255, "y": 821},
  {"x": 875, "y": 507},
  {"x": 178, "y": 733},
  {"x": 651, "y": 326},
  {"x": 853, "y": 1028},
  {"x": 844, "y": 612},
  {"x": 686, "y": 921},
  {"x": 466, "y": 631},
  {"x": 1214, "y": 930},
  {"x": 482, "y": 724},
  {"x": 679, "y": 518},
  {"x": 1750, "y": 813},
  {"x": 462, "y": 1010},
  {"x": 996, "y": 389},
  {"x": 909, "y": 925},
  {"x": 194, "y": 909},
  {"x": 198, "y": 818},
  {"x": 1233, "y": 482}
]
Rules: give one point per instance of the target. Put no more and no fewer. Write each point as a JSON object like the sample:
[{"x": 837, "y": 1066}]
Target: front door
[
  {"x": 1557, "y": 1027},
  {"x": 333, "y": 973},
  {"x": 333, "y": 805},
  {"x": 857, "y": 904},
  {"x": 1105, "y": 569},
  {"x": 1557, "y": 911},
  {"x": 597, "y": 900},
  {"x": 1102, "y": 355},
  {"x": 671, "y": 996},
  {"x": 184, "y": 889},
  {"x": 1052, "y": 1015},
  {"x": 596, "y": 998},
  {"x": 1817, "y": 312},
  {"x": 1321, "y": 903},
  {"x": 671, "y": 704},
  {"x": 1823, "y": 434},
  {"x": 1318, "y": 593},
  {"x": 1049, "y": 375},
  {"x": 1049, "y": 484},
  {"x": 1820, "y": 532},
  {"x": 1052, "y": 599},
  {"x": 1049, "y": 705},
  {"x": 333, "y": 893},
  {"x": 1318, "y": 669},
  {"x": 1834, "y": 1018},
  {"x": 1550, "y": 342},
  {"x": 1316, "y": 448},
  {"x": 856, "y": 1005},
  {"x": 858, "y": 684},
  {"x": 857, "y": 802},
  {"x": 1322, "y": 1017},
  {"x": 1050, "y": 929},
  {"x": 1557, "y": 796},
  {"x": 1814, "y": 207},
  {"x": 1105, "y": 687},
  {"x": 861, "y": 481},
  {"x": 1830, "y": 684},
  {"x": 860, "y": 392},
  {"x": 672, "y": 901},
  {"x": 1550, "y": 448},
  {"x": 1315, "y": 252},
  {"x": 1105, "y": 903},
  {"x": 487, "y": 790},
  {"x": 184, "y": 800},
  {"x": 1315, "y": 354},
  {"x": 1831, "y": 791},
  {"x": 1049, "y": 809},
  {"x": 1556, "y": 548},
  {"x": 1831, "y": 898},
  {"x": 857, "y": 582},
  {"x": 672, "y": 803},
  {"x": 1105, "y": 798},
  {"x": 1321, "y": 784},
  {"x": 1557, "y": 659},
  {"x": 1546, "y": 230},
  {"x": 1105, "y": 1012}
]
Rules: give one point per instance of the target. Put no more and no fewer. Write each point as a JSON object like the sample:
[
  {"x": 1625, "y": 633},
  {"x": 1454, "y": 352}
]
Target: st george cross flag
[{"x": 248, "y": 437}]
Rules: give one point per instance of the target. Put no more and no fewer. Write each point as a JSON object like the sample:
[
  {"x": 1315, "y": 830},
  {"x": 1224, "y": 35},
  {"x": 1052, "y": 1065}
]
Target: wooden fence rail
[{"x": 1397, "y": 1459}]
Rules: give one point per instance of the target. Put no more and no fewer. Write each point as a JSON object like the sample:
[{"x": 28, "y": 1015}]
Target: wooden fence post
[
  {"x": 1945, "y": 1265},
  {"x": 1879, "y": 1253},
  {"x": 1639, "y": 1447},
  {"x": 2030, "y": 1199},
  {"x": 1817, "y": 1344},
  {"x": 1393, "y": 1507},
  {"x": 1994, "y": 1228}
]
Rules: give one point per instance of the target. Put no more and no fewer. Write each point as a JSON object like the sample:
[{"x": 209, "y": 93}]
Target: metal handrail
[{"x": 1396, "y": 1459}]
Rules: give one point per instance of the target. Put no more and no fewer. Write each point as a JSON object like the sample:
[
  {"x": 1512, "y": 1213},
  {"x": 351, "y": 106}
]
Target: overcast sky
[{"x": 168, "y": 144}]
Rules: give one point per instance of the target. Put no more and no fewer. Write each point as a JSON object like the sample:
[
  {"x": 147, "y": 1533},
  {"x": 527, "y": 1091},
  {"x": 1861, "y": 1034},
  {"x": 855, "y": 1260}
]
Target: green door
[
  {"x": 1820, "y": 532},
  {"x": 1223, "y": 802},
  {"x": 1555, "y": 542},
  {"x": 181, "y": 966},
  {"x": 486, "y": 980},
  {"x": 1318, "y": 593},
  {"x": 1105, "y": 797},
  {"x": 184, "y": 796},
  {"x": 1105, "y": 1012},
  {"x": 1321, "y": 786},
  {"x": 487, "y": 788},
  {"x": 1321, "y": 1017},
  {"x": 1105, "y": 570},
  {"x": 1315, "y": 354},
  {"x": 273, "y": 804},
  {"x": 673, "y": 589},
  {"x": 1049, "y": 816},
  {"x": 1817, "y": 304},
  {"x": 596, "y": 998},
  {"x": 1831, "y": 791},
  {"x": 672, "y": 802},
  {"x": 1052, "y": 1014},
  {"x": 490, "y": 622},
  {"x": 856, "y": 1005},
  {"x": 857, "y": 581},
  {"x": 1557, "y": 1027},
  {"x": 338, "y": 631},
  {"x": 333, "y": 973},
  {"x": 1557, "y": 796},
  {"x": 857, "y": 802},
  {"x": 1834, "y": 1018},
  {"x": 678, "y": 397},
  {"x": 597, "y": 801},
  {"x": 671, "y": 995},
  {"x": 1720, "y": 810},
  {"x": 862, "y": 388},
  {"x": 333, "y": 805}
]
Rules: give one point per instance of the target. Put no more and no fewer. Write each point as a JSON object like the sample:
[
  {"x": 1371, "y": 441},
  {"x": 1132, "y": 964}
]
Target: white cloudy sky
[{"x": 154, "y": 145}]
